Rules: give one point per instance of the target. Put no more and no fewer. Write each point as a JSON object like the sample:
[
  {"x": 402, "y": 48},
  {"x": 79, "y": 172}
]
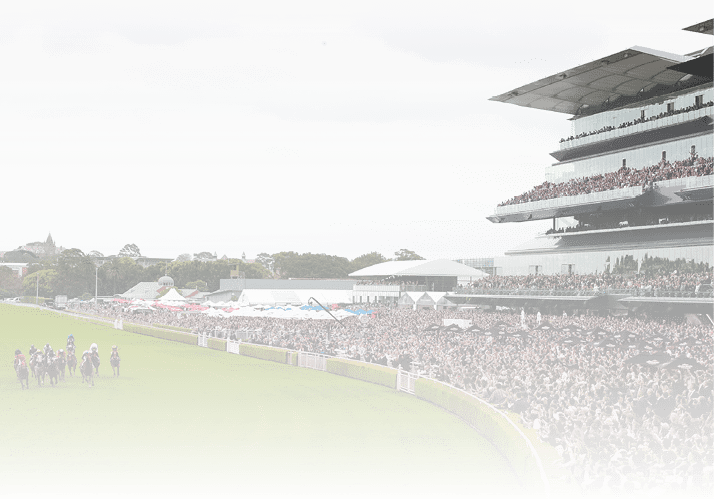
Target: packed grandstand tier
[
  {"x": 635, "y": 177},
  {"x": 695, "y": 166}
]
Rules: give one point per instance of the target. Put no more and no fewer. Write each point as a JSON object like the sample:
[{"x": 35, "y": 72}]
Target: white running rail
[{"x": 203, "y": 340}]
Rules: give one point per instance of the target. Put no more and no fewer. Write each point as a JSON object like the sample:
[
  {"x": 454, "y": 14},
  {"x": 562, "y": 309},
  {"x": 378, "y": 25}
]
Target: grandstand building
[{"x": 634, "y": 180}]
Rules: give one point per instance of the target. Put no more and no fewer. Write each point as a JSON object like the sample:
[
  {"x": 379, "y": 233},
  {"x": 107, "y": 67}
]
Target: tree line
[{"x": 76, "y": 274}]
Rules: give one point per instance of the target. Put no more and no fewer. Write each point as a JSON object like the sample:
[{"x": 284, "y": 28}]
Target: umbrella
[
  {"x": 600, "y": 332},
  {"x": 607, "y": 343},
  {"x": 432, "y": 328},
  {"x": 571, "y": 340},
  {"x": 648, "y": 346},
  {"x": 454, "y": 328},
  {"x": 474, "y": 329},
  {"x": 571, "y": 328},
  {"x": 652, "y": 359},
  {"x": 690, "y": 341},
  {"x": 544, "y": 326},
  {"x": 684, "y": 363}
]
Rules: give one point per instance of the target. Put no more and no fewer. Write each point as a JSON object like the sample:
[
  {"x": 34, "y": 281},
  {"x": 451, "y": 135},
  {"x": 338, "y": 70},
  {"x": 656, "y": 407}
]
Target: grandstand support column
[{"x": 553, "y": 224}]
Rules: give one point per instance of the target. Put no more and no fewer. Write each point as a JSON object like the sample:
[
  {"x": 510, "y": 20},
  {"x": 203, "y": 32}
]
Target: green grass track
[{"x": 184, "y": 422}]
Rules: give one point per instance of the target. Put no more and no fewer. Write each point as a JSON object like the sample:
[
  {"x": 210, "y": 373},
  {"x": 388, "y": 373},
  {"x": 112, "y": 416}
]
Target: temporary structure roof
[
  {"x": 438, "y": 267},
  {"x": 173, "y": 295}
]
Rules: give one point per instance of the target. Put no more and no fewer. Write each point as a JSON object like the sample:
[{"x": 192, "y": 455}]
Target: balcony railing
[
  {"x": 593, "y": 197},
  {"x": 638, "y": 128},
  {"x": 632, "y": 292}
]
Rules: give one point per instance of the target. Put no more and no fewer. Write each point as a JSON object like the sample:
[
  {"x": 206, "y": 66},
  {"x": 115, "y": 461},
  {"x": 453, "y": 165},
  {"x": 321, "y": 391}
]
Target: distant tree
[
  {"x": 184, "y": 257},
  {"x": 367, "y": 260},
  {"x": 10, "y": 282},
  {"x": 283, "y": 263},
  {"x": 255, "y": 271},
  {"x": 199, "y": 285},
  {"x": 405, "y": 254},
  {"x": 204, "y": 256},
  {"x": 75, "y": 272},
  {"x": 48, "y": 278},
  {"x": 121, "y": 273},
  {"x": 266, "y": 261},
  {"x": 20, "y": 256},
  {"x": 95, "y": 253},
  {"x": 130, "y": 250}
]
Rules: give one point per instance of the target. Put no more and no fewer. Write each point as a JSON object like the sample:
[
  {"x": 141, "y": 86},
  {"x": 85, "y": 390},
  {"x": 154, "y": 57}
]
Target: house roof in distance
[{"x": 438, "y": 267}]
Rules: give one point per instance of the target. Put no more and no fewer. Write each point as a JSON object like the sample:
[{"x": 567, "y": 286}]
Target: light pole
[
  {"x": 37, "y": 291},
  {"x": 96, "y": 283}
]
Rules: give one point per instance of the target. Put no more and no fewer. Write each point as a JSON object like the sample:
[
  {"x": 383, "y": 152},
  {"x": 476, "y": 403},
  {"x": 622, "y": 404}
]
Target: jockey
[
  {"x": 60, "y": 353},
  {"x": 48, "y": 350},
  {"x": 33, "y": 350},
  {"x": 70, "y": 342},
  {"x": 85, "y": 355},
  {"x": 115, "y": 352},
  {"x": 19, "y": 359}
]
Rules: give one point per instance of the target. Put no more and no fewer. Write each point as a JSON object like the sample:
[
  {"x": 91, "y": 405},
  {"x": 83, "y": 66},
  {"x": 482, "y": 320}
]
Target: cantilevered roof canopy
[
  {"x": 439, "y": 267},
  {"x": 706, "y": 27},
  {"x": 624, "y": 73}
]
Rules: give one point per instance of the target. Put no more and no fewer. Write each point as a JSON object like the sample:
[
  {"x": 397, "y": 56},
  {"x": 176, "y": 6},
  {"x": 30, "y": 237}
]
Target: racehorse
[
  {"x": 23, "y": 375},
  {"x": 115, "y": 361},
  {"x": 72, "y": 363},
  {"x": 86, "y": 368},
  {"x": 95, "y": 361},
  {"x": 33, "y": 363},
  {"x": 61, "y": 363},
  {"x": 52, "y": 371},
  {"x": 40, "y": 368}
]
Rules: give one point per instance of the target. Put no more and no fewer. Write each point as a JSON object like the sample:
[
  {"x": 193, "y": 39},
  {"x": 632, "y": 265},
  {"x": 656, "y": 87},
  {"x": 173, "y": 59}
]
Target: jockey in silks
[
  {"x": 70, "y": 343},
  {"x": 19, "y": 360},
  {"x": 33, "y": 350},
  {"x": 49, "y": 354},
  {"x": 86, "y": 355}
]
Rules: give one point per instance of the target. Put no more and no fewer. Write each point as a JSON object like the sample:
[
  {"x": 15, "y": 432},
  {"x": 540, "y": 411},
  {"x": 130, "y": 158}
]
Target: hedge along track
[{"x": 180, "y": 336}]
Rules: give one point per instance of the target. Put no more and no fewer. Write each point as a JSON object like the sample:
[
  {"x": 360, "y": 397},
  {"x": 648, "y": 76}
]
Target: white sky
[{"x": 254, "y": 127}]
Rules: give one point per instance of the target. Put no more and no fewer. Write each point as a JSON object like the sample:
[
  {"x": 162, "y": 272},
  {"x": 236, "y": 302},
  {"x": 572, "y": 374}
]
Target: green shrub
[
  {"x": 170, "y": 327},
  {"x": 264, "y": 353},
  {"x": 219, "y": 344},
  {"x": 363, "y": 371},
  {"x": 161, "y": 334},
  {"x": 486, "y": 421},
  {"x": 294, "y": 358}
]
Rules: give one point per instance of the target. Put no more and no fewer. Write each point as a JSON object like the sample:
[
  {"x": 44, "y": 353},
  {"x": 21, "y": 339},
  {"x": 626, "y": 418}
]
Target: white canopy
[
  {"x": 172, "y": 295},
  {"x": 439, "y": 267}
]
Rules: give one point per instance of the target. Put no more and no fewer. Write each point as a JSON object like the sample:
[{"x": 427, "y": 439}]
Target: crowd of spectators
[
  {"x": 662, "y": 115},
  {"x": 596, "y": 283},
  {"x": 612, "y": 224},
  {"x": 624, "y": 177},
  {"x": 387, "y": 281},
  {"x": 620, "y": 427}
]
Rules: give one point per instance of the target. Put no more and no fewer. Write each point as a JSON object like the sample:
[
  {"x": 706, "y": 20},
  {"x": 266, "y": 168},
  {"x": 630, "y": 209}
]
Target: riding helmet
[{"x": 18, "y": 352}]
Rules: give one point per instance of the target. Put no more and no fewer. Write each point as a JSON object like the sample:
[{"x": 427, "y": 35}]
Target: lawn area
[{"x": 184, "y": 422}]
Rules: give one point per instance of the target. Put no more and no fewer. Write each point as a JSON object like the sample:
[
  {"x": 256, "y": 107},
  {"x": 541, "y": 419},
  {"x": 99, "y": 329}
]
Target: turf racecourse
[{"x": 184, "y": 422}]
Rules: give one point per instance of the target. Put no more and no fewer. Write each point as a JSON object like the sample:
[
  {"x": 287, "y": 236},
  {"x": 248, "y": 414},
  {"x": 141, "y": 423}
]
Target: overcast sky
[{"x": 331, "y": 127}]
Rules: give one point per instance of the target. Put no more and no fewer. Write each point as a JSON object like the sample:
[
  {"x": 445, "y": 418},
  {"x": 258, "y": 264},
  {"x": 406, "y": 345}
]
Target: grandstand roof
[
  {"x": 439, "y": 267},
  {"x": 706, "y": 27},
  {"x": 624, "y": 73}
]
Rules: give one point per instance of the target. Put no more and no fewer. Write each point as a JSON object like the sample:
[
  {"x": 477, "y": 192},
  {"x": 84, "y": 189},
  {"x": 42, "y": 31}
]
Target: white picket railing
[
  {"x": 406, "y": 380},
  {"x": 312, "y": 361},
  {"x": 233, "y": 346},
  {"x": 202, "y": 340}
]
